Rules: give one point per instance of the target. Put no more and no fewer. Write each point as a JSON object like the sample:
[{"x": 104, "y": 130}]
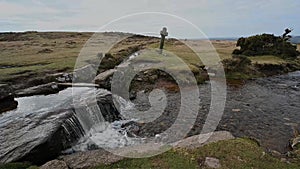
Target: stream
[
  {"x": 266, "y": 109},
  {"x": 269, "y": 110}
]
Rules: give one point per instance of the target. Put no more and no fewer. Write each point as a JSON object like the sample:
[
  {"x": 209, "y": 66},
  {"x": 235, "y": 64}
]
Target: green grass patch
[
  {"x": 238, "y": 153},
  {"x": 170, "y": 159},
  {"x": 17, "y": 166},
  {"x": 241, "y": 153},
  {"x": 267, "y": 59},
  {"x": 240, "y": 76}
]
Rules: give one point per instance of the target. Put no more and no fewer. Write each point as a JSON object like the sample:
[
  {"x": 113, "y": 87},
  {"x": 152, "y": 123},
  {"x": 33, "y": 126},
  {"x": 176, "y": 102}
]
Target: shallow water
[
  {"x": 266, "y": 109},
  {"x": 269, "y": 110}
]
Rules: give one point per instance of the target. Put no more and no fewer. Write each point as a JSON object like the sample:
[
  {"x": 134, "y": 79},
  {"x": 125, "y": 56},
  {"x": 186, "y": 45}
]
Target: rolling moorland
[
  {"x": 35, "y": 58},
  {"x": 26, "y": 59}
]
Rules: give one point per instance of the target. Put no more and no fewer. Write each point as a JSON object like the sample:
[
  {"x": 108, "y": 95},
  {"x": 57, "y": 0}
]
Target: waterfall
[
  {"x": 72, "y": 130},
  {"x": 92, "y": 122},
  {"x": 100, "y": 124},
  {"x": 91, "y": 118}
]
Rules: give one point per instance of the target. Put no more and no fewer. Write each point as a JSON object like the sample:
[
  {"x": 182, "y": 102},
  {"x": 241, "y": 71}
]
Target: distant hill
[
  {"x": 295, "y": 39},
  {"x": 225, "y": 39}
]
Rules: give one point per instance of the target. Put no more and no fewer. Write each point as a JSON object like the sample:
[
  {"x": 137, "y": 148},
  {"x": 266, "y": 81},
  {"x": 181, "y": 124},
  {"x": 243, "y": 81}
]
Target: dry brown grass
[
  {"x": 40, "y": 53},
  {"x": 224, "y": 48}
]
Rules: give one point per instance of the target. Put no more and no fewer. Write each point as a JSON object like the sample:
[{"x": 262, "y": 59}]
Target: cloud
[
  {"x": 215, "y": 18},
  {"x": 12, "y": 9}
]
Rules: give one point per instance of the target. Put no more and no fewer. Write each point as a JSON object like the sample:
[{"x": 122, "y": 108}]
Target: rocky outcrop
[
  {"x": 7, "y": 101},
  {"x": 55, "y": 164},
  {"x": 142, "y": 79},
  {"x": 84, "y": 160},
  {"x": 104, "y": 79},
  {"x": 36, "y": 140},
  {"x": 45, "y": 89},
  {"x": 201, "y": 140},
  {"x": 41, "y": 136}
]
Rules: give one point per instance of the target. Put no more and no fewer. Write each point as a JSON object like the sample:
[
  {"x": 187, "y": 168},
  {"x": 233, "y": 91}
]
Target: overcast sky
[{"x": 216, "y": 18}]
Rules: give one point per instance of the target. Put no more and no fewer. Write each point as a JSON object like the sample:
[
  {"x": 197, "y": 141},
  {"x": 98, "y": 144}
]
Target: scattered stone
[
  {"x": 212, "y": 162},
  {"x": 201, "y": 140},
  {"x": 63, "y": 77},
  {"x": 54, "y": 164}
]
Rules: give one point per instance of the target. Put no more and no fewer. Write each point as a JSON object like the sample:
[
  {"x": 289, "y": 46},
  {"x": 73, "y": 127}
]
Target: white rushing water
[{"x": 102, "y": 134}]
